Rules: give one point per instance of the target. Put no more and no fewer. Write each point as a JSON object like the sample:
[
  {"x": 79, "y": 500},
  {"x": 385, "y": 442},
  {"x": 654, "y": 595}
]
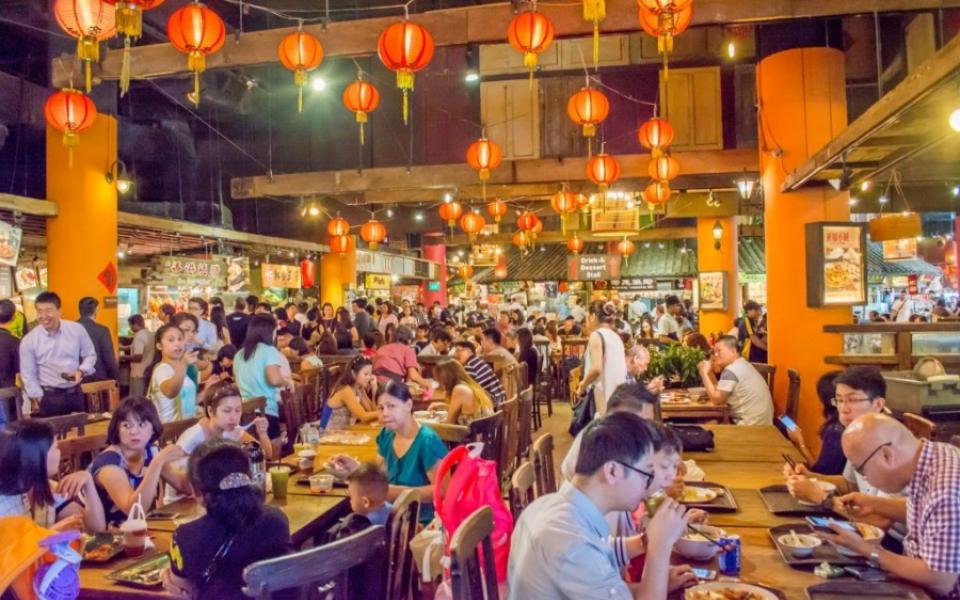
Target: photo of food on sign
[
  {"x": 9, "y": 244},
  {"x": 842, "y": 264}
]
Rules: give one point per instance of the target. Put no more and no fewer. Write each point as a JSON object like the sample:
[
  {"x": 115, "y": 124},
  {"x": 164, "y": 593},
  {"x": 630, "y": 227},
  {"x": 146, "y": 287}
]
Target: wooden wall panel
[
  {"x": 450, "y": 108},
  {"x": 511, "y": 112},
  {"x": 694, "y": 108},
  {"x": 559, "y": 135}
]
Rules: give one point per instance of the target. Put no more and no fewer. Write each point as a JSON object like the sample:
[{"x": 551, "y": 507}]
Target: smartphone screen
[
  {"x": 704, "y": 574},
  {"x": 824, "y": 523},
  {"x": 788, "y": 423}
]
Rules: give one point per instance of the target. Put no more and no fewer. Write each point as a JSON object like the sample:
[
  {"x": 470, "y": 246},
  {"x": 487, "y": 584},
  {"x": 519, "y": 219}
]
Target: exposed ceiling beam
[
  {"x": 515, "y": 178},
  {"x": 29, "y": 206},
  {"x": 552, "y": 237},
  {"x": 485, "y": 23}
]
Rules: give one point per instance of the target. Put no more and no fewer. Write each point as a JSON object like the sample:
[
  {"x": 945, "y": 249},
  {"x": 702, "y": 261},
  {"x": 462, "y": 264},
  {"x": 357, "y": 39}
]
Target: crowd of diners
[{"x": 573, "y": 543}]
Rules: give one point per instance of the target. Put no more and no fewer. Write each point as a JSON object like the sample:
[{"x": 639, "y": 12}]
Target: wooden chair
[
  {"x": 174, "y": 429},
  {"x": 78, "y": 452},
  {"x": 63, "y": 425},
  {"x": 489, "y": 430},
  {"x": 470, "y": 580},
  {"x": 311, "y": 401},
  {"x": 573, "y": 384},
  {"x": 451, "y": 434},
  {"x": 294, "y": 411},
  {"x": 542, "y": 455},
  {"x": 522, "y": 488},
  {"x": 100, "y": 396},
  {"x": 510, "y": 436},
  {"x": 508, "y": 378},
  {"x": 525, "y": 423},
  {"x": 920, "y": 427},
  {"x": 793, "y": 394},
  {"x": 401, "y": 527},
  {"x": 769, "y": 373},
  {"x": 354, "y": 563},
  {"x": 11, "y": 403}
]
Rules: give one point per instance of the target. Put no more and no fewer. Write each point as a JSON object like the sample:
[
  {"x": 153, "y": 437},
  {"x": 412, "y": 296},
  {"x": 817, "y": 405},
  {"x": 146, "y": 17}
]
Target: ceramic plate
[
  {"x": 697, "y": 495},
  {"x": 724, "y": 590}
]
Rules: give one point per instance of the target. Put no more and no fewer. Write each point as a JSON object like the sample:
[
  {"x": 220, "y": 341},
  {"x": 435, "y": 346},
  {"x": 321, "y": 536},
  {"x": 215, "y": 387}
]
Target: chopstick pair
[{"x": 706, "y": 537}]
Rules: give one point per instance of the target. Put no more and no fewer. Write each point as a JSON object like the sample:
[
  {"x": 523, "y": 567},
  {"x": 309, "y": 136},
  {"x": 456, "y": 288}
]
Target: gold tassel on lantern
[
  {"x": 70, "y": 141},
  {"x": 405, "y": 83},
  {"x": 196, "y": 63},
  {"x": 361, "y": 119},
  {"x": 595, "y": 11},
  {"x": 484, "y": 177},
  {"x": 129, "y": 25},
  {"x": 88, "y": 50},
  {"x": 300, "y": 79}
]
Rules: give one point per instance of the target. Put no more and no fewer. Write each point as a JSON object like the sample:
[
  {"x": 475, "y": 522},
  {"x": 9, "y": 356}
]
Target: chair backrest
[
  {"x": 769, "y": 373},
  {"x": 470, "y": 580},
  {"x": 510, "y": 435},
  {"x": 401, "y": 527},
  {"x": 100, "y": 396},
  {"x": 311, "y": 379},
  {"x": 63, "y": 424},
  {"x": 252, "y": 405},
  {"x": 920, "y": 427},
  {"x": 793, "y": 394},
  {"x": 542, "y": 454},
  {"x": 525, "y": 421},
  {"x": 12, "y": 404},
  {"x": 489, "y": 430},
  {"x": 294, "y": 410},
  {"x": 508, "y": 378},
  {"x": 356, "y": 562},
  {"x": 174, "y": 429},
  {"x": 78, "y": 452},
  {"x": 450, "y": 433},
  {"x": 522, "y": 488},
  {"x": 573, "y": 383}
]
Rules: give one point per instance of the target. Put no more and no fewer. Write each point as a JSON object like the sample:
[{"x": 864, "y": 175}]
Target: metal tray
[
  {"x": 112, "y": 540},
  {"x": 779, "y": 501},
  {"x": 854, "y": 590},
  {"x": 723, "y": 503},
  {"x": 144, "y": 573},
  {"x": 825, "y": 552}
]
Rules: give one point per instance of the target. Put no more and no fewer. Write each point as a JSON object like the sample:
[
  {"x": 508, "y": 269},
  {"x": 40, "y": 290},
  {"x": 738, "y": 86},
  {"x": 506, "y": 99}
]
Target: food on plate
[
  {"x": 100, "y": 553},
  {"x": 837, "y": 275},
  {"x": 696, "y": 495},
  {"x": 698, "y": 546},
  {"x": 711, "y": 293},
  {"x": 722, "y": 594},
  {"x": 834, "y": 253},
  {"x": 826, "y": 486}
]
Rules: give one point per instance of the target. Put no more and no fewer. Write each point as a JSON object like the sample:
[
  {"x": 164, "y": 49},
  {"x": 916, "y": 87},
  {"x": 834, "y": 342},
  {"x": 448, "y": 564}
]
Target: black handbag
[
  {"x": 586, "y": 407},
  {"x": 694, "y": 437}
]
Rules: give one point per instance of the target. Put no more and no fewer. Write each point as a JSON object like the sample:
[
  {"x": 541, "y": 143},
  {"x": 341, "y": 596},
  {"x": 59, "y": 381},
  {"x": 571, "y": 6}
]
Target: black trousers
[{"x": 61, "y": 401}]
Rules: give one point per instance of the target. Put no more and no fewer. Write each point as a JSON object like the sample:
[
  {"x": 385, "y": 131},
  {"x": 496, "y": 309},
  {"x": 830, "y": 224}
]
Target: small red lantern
[
  {"x": 450, "y": 212},
  {"x": 625, "y": 248},
  {"x": 564, "y": 203},
  {"x": 70, "y": 112},
  {"x": 342, "y": 244},
  {"x": 301, "y": 53},
  {"x": 575, "y": 244},
  {"x": 361, "y": 98},
  {"x": 373, "y": 232},
  {"x": 521, "y": 239},
  {"x": 530, "y": 33},
  {"x": 527, "y": 220},
  {"x": 483, "y": 156},
  {"x": 196, "y": 31},
  {"x": 584, "y": 202},
  {"x": 655, "y": 135},
  {"x": 466, "y": 271},
  {"x": 500, "y": 271},
  {"x": 665, "y": 26},
  {"x": 657, "y": 193},
  {"x": 129, "y": 19},
  {"x": 664, "y": 168},
  {"x": 91, "y": 22},
  {"x": 603, "y": 170},
  {"x": 497, "y": 209},
  {"x": 588, "y": 108},
  {"x": 308, "y": 273},
  {"x": 338, "y": 227},
  {"x": 406, "y": 48},
  {"x": 472, "y": 223}
]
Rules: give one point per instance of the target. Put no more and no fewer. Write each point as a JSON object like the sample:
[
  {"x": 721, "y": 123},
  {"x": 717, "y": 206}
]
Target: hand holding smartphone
[
  {"x": 789, "y": 423},
  {"x": 823, "y": 524}
]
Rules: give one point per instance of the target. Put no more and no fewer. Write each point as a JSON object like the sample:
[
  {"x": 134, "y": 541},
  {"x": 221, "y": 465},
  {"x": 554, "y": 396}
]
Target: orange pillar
[
  {"x": 337, "y": 273},
  {"x": 802, "y": 99},
  {"x": 710, "y": 258},
  {"x": 82, "y": 238}
]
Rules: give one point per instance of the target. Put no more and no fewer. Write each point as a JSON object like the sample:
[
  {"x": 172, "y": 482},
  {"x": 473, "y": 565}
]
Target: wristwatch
[{"x": 874, "y": 559}]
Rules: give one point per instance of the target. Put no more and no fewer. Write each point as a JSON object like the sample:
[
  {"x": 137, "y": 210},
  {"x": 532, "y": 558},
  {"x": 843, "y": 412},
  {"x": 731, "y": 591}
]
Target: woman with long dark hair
[
  {"x": 170, "y": 387},
  {"x": 527, "y": 353},
  {"x": 344, "y": 331},
  {"x": 327, "y": 316},
  {"x": 260, "y": 370},
  {"x": 218, "y": 317},
  {"x": 831, "y": 459},
  {"x": 208, "y": 555},
  {"x": 604, "y": 360},
  {"x": 352, "y": 397}
]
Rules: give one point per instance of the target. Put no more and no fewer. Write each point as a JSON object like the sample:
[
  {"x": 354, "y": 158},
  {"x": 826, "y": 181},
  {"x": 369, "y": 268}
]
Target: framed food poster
[
  {"x": 26, "y": 277},
  {"x": 9, "y": 244},
  {"x": 713, "y": 290},
  {"x": 836, "y": 264}
]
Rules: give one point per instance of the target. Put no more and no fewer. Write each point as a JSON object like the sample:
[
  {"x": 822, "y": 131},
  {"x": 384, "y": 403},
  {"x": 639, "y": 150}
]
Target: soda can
[{"x": 728, "y": 561}]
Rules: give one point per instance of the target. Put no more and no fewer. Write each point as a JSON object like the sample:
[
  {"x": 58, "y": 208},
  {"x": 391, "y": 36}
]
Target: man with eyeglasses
[
  {"x": 891, "y": 458},
  {"x": 560, "y": 543}
]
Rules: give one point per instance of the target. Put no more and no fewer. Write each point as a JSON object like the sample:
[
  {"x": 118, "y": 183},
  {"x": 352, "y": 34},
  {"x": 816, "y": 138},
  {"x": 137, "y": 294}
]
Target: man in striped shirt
[{"x": 480, "y": 371}]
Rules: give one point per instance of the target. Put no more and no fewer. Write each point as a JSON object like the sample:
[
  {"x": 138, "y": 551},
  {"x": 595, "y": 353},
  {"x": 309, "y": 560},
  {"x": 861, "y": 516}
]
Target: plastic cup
[
  {"x": 134, "y": 537},
  {"x": 321, "y": 483},
  {"x": 279, "y": 477}
]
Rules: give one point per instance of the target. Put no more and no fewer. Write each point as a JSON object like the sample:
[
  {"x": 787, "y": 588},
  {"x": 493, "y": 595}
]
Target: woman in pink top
[
  {"x": 397, "y": 361},
  {"x": 387, "y": 317}
]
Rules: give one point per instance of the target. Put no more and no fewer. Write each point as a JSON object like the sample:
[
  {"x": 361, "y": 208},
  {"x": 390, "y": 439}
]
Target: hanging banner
[
  {"x": 188, "y": 271},
  {"x": 280, "y": 276},
  {"x": 10, "y": 237},
  {"x": 238, "y": 273}
]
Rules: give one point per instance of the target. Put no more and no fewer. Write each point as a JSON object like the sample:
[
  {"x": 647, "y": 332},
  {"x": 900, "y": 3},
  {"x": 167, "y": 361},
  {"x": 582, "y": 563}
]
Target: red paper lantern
[
  {"x": 584, "y": 202},
  {"x": 90, "y": 22},
  {"x": 406, "y": 48},
  {"x": 308, "y": 273},
  {"x": 497, "y": 209},
  {"x": 588, "y": 108},
  {"x": 625, "y": 247},
  {"x": 338, "y": 227},
  {"x": 664, "y": 168},
  {"x": 530, "y": 33},
  {"x": 521, "y": 239},
  {"x": 575, "y": 244},
  {"x": 129, "y": 19},
  {"x": 527, "y": 220},
  {"x": 484, "y": 156},
  {"x": 665, "y": 26},
  {"x": 655, "y": 135},
  {"x": 301, "y": 53},
  {"x": 450, "y": 212},
  {"x": 373, "y": 232},
  {"x": 361, "y": 98},
  {"x": 341, "y": 244},
  {"x": 198, "y": 32},
  {"x": 466, "y": 271},
  {"x": 500, "y": 271},
  {"x": 564, "y": 202},
  {"x": 472, "y": 223},
  {"x": 603, "y": 170},
  {"x": 657, "y": 193},
  {"x": 659, "y": 6},
  {"x": 70, "y": 112}
]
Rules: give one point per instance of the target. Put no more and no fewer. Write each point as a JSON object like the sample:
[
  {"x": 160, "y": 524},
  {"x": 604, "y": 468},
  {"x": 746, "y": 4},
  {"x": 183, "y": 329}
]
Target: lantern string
[{"x": 293, "y": 14}]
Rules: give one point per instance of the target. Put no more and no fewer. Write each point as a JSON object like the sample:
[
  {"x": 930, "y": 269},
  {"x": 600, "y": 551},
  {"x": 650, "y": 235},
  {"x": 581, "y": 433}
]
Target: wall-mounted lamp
[
  {"x": 118, "y": 173},
  {"x": 745, "y": 185},
  {"x": 717, "y": 234},
  {"x": 310, "y": 209}
]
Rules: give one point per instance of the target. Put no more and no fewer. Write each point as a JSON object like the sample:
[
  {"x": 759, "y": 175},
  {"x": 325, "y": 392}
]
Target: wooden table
[
  {"x": 694, "y": 411},
  {"x": 746, "y": 443}
]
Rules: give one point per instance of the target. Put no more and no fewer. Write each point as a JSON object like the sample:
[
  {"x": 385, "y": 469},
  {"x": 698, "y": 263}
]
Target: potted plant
[{"x": 677, "y": 364}]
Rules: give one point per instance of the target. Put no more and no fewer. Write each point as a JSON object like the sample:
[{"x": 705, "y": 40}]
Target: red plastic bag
[{"x": 473, "y": 484}]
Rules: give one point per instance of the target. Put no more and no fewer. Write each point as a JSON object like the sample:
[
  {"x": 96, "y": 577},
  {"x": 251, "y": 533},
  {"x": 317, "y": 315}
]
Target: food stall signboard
[
  {"x": 9, "y": 244},
  {"x": 836, "y": 264},
  {"x": 238, "y": 273},
  {"x": 593, "y": 267},
  {"x": 635, "y": 283},
  {"x": 377, "y": 281},
  {"x": 188, "y": 271},
  {"x": 903, "y": 249},
  {"x": 279, "y": 276},
  {"x": 713, "y": 290}
]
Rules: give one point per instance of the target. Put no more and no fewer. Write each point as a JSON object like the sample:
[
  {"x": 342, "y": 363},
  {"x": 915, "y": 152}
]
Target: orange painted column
[
  {"x": 709, "y": 258},
  {"x": 802, "y": 99},
  {"x": 82, "y": 238},
  {"x": 337, "y": 273}
]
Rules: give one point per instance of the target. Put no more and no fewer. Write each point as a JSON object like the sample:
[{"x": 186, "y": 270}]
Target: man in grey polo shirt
[
  {"x": 560, "y": 547},
  {"x": 740, "y": 386}
]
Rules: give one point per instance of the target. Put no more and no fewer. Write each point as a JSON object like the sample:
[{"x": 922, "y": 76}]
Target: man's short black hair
[
  {"x": 671, "y": 300},
  {"x": 670, "y": 440},
  {"x": 240, "y": 305},
  {"x": 370, "y": 339},
  {"x": 620, "y": 437},
  {"x": 199, "y": 302},
  {"x": 48, "y": 297},
  {"x": 265, "y": 306},
  {"x": 289, "y": 304},
  {"x": 441, "y": 335},
  {"x": 865, "y": 379},
  {"x": 132, "y": 320},
  {"x": 8, "y": 310},
  {"x": 631, "y": 397},
  {"x": 87, "y": 306},
  {"x": 252, "y": 300},
  {"x": 466, "y": 344},
  {"x": 570, "y": 318},
  {"x": 360, "y": 303},
  {"x": 494, "y": 334},
  {"x": 751, "y": 305},
  {"x": 728, "y": 340}
]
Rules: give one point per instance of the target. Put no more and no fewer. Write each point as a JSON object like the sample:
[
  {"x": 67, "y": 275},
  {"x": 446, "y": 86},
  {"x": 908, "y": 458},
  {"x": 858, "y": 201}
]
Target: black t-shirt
[
  {"x": 196, "y": 543},
  {"x": 9, "y": 358},
  {"x": 532, "y": 358},
  {"x": 237, "y": 326}
]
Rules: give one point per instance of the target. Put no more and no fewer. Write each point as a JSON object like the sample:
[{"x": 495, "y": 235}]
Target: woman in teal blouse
[{"x": 411, "y": 452}]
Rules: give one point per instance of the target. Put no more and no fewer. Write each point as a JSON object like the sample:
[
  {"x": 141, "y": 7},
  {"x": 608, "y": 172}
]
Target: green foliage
[{"x": 677, "y": 364}]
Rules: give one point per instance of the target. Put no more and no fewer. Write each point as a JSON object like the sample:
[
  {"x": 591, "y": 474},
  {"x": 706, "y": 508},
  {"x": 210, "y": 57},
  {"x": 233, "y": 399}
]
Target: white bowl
[
  {"x": 807, "y": 544},
  {"x": 826, "y": 486},
  {"x": 696, "y": 547}
]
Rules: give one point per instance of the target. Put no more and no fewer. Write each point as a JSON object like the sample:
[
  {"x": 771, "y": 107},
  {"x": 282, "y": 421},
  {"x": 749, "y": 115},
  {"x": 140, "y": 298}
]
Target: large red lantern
[
  {"x": 90, "y": 22},
  {"x": 564, "y": 203},
  {"x": 198, "y": 32},
  {"x": 484, "y": 156},
  {"x": 575, "y": 244},
  {"x": 406, "y": 48},
  {"x": 603, "y": 170},
  {"x": 301, "y": 53},
  {"x": 70, "y": 112},
  {"x": 450, "y": 212},
  {"x": 373, "y": 232},
  {"x": 655, "y": 135},
  {"x": 338, "y": 227},
  {"x": 665, "y": 26},
  {"x": 588, "y": 108},
  {"x": 497, "y": 209},
  {"x": 527, "y": 220},
  {"x": 625, "y": 248},
  {"x": 341, "y": 244},
  {"x": 531, "y": 33},
  {"x": 472, "y": 223},
  {"x": 361, "y": 98},
  {"x": 308, "y": 273},
  {"x": 661, "y": 6},
  {"x": 664, "y": 168},
  {"x": 657, "y": 193},
  {"x": 129, "y": 19}
]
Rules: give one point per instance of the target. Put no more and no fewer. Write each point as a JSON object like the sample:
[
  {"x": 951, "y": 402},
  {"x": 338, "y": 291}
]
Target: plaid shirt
[{"x": 933, "y": 511}]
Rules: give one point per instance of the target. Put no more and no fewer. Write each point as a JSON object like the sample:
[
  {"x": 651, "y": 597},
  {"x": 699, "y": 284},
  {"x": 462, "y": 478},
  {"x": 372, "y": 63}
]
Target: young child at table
[{"x": 368, "y": 487}]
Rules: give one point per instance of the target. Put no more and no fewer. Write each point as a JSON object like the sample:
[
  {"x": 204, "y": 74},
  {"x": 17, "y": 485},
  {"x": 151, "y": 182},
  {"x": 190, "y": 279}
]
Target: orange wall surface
[
  {"x": 724, "y": 259},
  {"x": 82, "y": 238},
  {"x": 802, "y": 98}
]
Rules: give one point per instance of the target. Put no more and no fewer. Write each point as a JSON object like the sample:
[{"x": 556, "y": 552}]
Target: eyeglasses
[
  {"x": 649, "y": 476},
  {"x": 859, "y": 469},
  {"x": 841, "y": 400}
]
